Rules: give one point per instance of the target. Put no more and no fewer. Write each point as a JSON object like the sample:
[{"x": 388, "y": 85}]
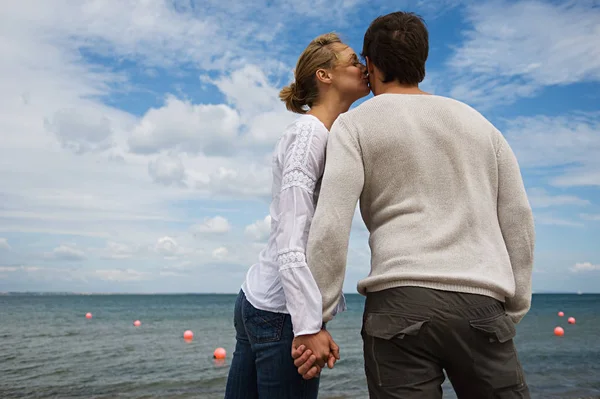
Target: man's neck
[{"x": 396, "y": 88}]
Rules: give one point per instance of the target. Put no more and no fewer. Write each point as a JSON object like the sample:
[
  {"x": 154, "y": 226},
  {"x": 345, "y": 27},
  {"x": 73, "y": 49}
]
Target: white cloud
[
  {"x": 46, "y": 78},
  {"x": 27, "y": 269},
  {"x": 157, "y": 33},
  {"x": 319, "y": 8},
  {"x": 36, "y": 269},
  {"x": 100, "y": 189},
  {"x": 260, "y": 230},
  {"x": 118, "y": 275},
  {"x": 74, "y": 214},
  {"x": 186, "y": 127},
  {"x": 70, "y": 276},
  {"x": 66, "y": 253},
  {"x": 186, "y": 264},
  {"x": 220, "y": 253},
  {"x": 245, "y": 180},
  {"x": 17, "y": 228},
  {"x": 171, "y": 274},
  {"x": 262, "y": 114},
  {"x": 588, "y": 175},
  {"x": 104, "y": 190},
  {"x": 40, "y": 179},
  {"x": 542, "y": 141},
  {"x": 248, "y": 90},
  {"x": 265, "y": 128},
  {"x": 81, "y": 130},
  {"x": 569, "y": 142},
  {"x": 167, "y": 169},
  {"x": 215, "y": 225},
  {"x": 119, "y": 178},
  {"x": 433, "y": 9},
  {"x": 118, "y": 251},
  {"x": 540, "y": 198},
  {"x": 226, "y": 147},
  {"x": 500, "y": 62},
  {"x": 4, "y": 244},
  {"x": 551, "y": 220},
  {"x": 585, "y": 267},
  {"x": 591, "y": 217},
  {"x": 168, "y": 247},
  {"x": 486, "y": 93}
]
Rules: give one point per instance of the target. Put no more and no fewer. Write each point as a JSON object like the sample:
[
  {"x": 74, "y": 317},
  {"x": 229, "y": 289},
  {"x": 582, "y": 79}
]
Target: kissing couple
[{"x": 450, "y": 227}]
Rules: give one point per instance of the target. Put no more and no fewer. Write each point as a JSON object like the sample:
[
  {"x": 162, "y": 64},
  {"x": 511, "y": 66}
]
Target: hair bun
[
  {"x": 290, "y": 96},
  {"x": 294, "y": 89}
]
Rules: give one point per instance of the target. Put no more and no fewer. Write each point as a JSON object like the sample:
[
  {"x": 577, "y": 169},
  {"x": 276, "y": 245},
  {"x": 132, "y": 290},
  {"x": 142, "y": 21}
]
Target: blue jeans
[{"x": 262, "y": 365}]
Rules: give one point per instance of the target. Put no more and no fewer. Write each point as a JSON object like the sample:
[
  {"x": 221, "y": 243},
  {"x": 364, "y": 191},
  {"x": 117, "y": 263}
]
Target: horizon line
[{"x": 6, "y": 293}]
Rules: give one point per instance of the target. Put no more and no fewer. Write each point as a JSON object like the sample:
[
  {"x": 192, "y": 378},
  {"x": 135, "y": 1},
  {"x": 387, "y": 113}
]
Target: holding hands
[{"x": 312, "y": 352}]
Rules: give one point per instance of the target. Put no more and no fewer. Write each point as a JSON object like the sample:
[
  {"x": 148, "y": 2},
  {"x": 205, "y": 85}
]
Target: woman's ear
[{"x": 323, "y": 75}]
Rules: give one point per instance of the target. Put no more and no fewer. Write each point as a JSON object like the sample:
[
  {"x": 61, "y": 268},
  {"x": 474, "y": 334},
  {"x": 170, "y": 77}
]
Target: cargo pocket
[
  {"x": 389, "y": 325},
  {"x": 494, "y": 354},
  {"x": 386, "y": 338},
  {"x": 497, "y": 329}
]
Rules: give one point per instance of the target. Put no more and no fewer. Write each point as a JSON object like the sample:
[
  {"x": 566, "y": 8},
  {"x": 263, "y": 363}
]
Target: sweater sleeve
[
  {"x": 518, "y": 230},
  {"x": 329, "y": 234}
]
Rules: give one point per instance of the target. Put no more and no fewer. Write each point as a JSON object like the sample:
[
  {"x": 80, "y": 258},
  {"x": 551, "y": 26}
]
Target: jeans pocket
[
  {"x": 262, "y": 326},
  {"x": 494, "y": 353}
]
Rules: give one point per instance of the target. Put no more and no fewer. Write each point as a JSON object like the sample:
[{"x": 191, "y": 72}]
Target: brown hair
[
  {"x": 320, "y": 53},
  {"x": 398, "y": 45}
]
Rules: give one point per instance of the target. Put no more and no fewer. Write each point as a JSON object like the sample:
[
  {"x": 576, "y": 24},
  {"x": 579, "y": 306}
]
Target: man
[{"x": 451, "y": 232}]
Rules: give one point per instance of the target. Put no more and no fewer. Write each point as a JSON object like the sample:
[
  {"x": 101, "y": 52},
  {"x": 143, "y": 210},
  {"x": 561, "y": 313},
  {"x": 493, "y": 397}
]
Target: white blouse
[{"x": 281, "y": 281}]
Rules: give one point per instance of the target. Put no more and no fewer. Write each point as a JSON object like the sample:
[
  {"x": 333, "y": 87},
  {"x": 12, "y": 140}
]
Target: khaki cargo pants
[{"x": 411, "y": 335}]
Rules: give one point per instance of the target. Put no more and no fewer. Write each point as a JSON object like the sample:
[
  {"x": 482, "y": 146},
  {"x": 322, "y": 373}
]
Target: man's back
[
  {"x": 430, "y": 186},
  {"x": 433, "y": 173},
  {"x": 451, "y": 230}
]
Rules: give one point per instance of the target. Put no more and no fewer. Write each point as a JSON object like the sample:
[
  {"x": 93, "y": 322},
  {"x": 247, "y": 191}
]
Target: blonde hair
[{"x": 304, "y": 90}]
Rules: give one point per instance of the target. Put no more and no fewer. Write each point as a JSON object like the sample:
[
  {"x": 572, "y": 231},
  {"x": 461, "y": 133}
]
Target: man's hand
[
  {"x": 312, "y": 352},
  {"x": 305, "y": 361}
]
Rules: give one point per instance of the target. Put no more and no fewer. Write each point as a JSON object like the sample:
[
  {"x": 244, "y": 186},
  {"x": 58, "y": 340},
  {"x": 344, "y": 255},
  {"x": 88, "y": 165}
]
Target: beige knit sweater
[{"x": 441, "y": 194}]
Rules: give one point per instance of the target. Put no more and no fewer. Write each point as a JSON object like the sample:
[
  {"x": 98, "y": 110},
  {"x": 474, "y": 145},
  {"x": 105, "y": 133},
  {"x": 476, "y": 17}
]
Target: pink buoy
[
  {"x": 561, "y": 314},
  {"x": 219, "y": 354},
  {"x": 188, "y": 335},
  {"x": 559, "y": 331},
  {"x": 137, "y": 323},
  {"x": 571, "y": 320},
  {"x": 88, "y": 315}
]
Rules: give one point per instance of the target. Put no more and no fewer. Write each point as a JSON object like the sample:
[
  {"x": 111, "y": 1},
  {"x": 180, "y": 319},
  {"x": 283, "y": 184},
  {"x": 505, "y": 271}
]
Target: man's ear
[
  {"x": 323, "y": 75},
  {"x": 370, "y": 67}
]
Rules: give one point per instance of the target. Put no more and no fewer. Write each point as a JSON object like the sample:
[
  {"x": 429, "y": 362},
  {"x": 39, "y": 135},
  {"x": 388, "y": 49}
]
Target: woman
[{"x": 279, "y": 298}]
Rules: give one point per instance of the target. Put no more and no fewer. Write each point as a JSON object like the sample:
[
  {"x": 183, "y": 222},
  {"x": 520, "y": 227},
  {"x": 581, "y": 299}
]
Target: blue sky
[{"x": 136, "y": 135}]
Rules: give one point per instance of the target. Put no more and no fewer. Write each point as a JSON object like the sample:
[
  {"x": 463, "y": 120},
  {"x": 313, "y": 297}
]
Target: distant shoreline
[{"x": 50, "y": 293}]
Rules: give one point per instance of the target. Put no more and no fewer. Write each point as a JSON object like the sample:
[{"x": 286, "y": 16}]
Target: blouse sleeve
[{"x": 303, "y": 165}]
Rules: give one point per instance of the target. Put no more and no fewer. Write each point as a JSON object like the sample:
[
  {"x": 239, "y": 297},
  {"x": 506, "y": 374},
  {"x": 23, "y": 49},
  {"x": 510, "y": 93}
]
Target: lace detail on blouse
[
  {"x": 291, "y": 258},
  {"x": 296, "y": 174}
]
